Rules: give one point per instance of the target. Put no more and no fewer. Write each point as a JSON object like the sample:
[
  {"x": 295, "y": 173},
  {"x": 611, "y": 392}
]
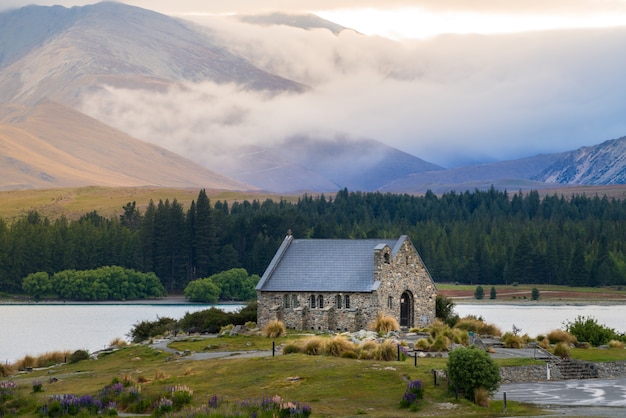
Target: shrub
[
  {"x": 441, "y": 343},
  {"x": 616, "y": 344},
  {"x": 145, "y": 330},
  {"x": 587, "y": 329},
  {"x": 338, "y": 345},
  {"x": 471, "y": 368},
  {"x": 291, "y": 348},
  {"x": 479, "y": 293},
  {"x": 274, "y": 329},
  {"x": 492, "y": 293},
  {"x": 561, "y": 350},
  {"x": 313, "y": 346},
  {"x": 386, "y": 351},
  {"x": 534, "y": 294},
  {"x": 350, "y": 355},
  {"x": 511, "y": 340},
  {"x": 444, "y": 310},
  {"x": 37, "y": 386},
  {"x": 422, "y": 344},
  {"x": 477, "y": 325},
  {"x": 383, "y": 324},
  {"x": 6, "y": 370},
  {"x": 79, "y": 355},
  {"x": 560, "y": 336}
]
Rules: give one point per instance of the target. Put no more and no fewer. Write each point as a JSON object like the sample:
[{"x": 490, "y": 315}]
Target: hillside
[
  {"x": 604, "y": 163},
  {"x": 51, "y": 146}
]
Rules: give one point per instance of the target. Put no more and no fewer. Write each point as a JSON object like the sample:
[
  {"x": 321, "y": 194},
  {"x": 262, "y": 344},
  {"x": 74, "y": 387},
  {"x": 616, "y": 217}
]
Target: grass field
[
  {"x": 333, "y": 387},
  {"x": 547, "y": 293},
  {"x": 108, "y": 202}
]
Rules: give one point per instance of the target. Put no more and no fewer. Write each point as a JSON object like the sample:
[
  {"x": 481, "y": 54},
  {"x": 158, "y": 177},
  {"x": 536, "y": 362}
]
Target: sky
[{"x": 454, "y": 82}]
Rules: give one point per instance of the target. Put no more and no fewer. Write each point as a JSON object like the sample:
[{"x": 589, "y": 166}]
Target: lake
[
  {"x": 34, "y": 329},
  {"x": 541, "y": 319}
]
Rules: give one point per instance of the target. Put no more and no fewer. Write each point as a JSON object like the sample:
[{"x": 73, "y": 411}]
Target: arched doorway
[{"x": 406, "y": 309}]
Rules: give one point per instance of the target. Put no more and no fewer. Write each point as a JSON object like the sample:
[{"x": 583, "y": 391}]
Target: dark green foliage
[
  {"x": 145, "y": 330},
  {"x": 484, "y": 237},
  {"x": 231, "y": 285},
  {"x": 104, "y": 283},
  {"x": 444, "y": 310},
  {"x": 587, "y": 329},
  {"x": 472, "y": 368},
  {"x": 79, "y": 355},
  {"x": 207, "y": 321},
  {"x": 479, "y": 293},
  {"x": 492, "y": 293},
  {"x": 534, "y": 294}
]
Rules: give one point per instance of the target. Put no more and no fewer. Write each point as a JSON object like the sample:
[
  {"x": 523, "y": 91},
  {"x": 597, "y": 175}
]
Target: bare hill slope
[{"x": 52, "y": 145}]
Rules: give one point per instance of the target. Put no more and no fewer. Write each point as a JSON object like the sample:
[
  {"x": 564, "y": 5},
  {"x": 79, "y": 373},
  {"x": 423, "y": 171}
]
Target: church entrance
[{"x": 406, "y": 310}]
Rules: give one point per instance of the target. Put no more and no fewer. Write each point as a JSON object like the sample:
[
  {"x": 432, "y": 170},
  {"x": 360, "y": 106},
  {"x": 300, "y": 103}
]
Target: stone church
[{"x": 341, "y": 285}]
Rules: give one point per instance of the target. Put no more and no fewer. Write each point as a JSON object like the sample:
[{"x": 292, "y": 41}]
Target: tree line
[{"x": 488, "y": 237}]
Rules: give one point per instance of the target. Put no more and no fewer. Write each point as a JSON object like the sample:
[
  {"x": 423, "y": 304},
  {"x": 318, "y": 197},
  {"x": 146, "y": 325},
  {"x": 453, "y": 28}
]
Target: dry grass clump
[
  {"x": 478, "y": 326},
  {"x": 562, "y": 350},
  {"x": 616, "y": 344},
  {"x": 367, "y": 349},
  {"x": 160, "y": 375},
  {"x": 481, "y": 397},
  {"x": 118, "y": 342},
  {"x": 6, "y": 370},
  {"x": 560, "y": 336},
  {"x": 313, "y": 346},
  {"x": 511, "y": 340},
  {"x": 386, "y": 351},
  {"x": 441, "y": 343},
  {"x": 292, "y": 348},
  {"x": 338, "y": 345},
  {"x": 274, "y": 329},
  {"x": 384, "y": 324}
]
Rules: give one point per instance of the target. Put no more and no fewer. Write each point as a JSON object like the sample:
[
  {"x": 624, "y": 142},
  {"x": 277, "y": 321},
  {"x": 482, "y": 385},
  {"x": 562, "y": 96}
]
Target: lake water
[
  {"x": 541, "y": 319},
  {"x": 34, "y": 329}
]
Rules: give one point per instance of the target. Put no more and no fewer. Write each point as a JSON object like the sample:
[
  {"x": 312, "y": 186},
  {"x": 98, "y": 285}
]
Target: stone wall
[
  {"x": 560, "y": 371},
  {"x": 405, "y": 274}
]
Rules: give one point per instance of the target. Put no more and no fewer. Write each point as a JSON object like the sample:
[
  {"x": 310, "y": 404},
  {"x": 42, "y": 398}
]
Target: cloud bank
[{"x": 452, "y": 100}]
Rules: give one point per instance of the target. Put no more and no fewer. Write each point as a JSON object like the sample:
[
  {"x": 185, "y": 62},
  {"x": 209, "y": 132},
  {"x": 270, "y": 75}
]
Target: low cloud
[{"x": 450, "y": 100}]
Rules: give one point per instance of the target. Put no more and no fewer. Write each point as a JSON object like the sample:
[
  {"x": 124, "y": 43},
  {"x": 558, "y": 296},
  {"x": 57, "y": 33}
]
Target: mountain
[
  {"x": 58, "y": 59},
  {"x": 61, "y": 53},
  {"x": 604, "y": 163},
  {"x": 51, "y": 145},
  {"x": 324, "y": 165},
  {"x": 303, "y": 21}
]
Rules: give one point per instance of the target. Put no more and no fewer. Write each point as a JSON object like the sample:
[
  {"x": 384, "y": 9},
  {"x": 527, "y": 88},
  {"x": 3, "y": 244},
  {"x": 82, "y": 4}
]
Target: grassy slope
[
  {"x": 333, "y": 387},
  {"x": 75, "y": 202}
]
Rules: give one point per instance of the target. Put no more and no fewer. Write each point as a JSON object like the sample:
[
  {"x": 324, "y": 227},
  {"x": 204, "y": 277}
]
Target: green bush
[
  {"x": 470, "y": 369},
  {"x": 479, "y": 293},
  {"x": 145, "y": 330},
  {"x": 79, "y": 355},
  {"x": 587, "y": 329}
]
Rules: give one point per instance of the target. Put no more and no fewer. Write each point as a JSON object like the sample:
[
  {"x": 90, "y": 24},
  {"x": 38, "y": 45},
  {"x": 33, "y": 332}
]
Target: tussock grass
[
  {"x": 386, "y": 351},
  {"x": 313, "y": 346},
  {"x": 481, "y": 397},
  {"x": 275, "y": 329},
  {"x": 384, "y": 324},
  {"x": 118, "y": 342},
  {"x": 562, "y": 350},
  {"x": 512, "y": 341},
  {"x": 471, "y": 323},
  {"x": 338, "y": 345},
  {"x": 616, "y": 344},
  {"x": 560, "y": 336}
]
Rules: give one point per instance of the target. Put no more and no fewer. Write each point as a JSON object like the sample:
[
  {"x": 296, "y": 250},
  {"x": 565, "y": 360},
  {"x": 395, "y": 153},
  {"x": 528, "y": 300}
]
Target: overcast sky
[{"x": 462, "y": 81}]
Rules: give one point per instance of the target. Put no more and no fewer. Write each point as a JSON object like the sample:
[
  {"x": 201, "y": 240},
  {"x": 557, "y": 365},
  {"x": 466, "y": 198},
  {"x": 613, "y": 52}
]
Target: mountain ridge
[{"x": 62, "y": 55}]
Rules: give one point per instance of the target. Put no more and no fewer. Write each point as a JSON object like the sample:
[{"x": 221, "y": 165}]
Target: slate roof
[{"x": 324, "y": 265}]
